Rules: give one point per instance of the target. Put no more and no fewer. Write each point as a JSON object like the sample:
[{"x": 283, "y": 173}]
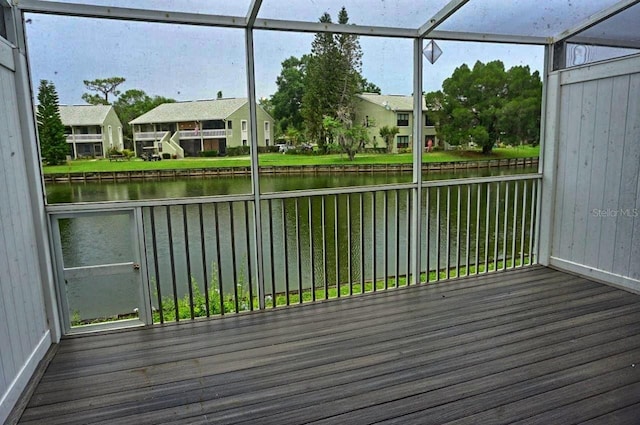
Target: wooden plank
[
  {"x": 598, "y": 171},
  {"x": 615, "y": 150},
  {"x": 626, "y": 416},
  {"x": 584, "y": 161},
  {"x": 629, "y": 173}
]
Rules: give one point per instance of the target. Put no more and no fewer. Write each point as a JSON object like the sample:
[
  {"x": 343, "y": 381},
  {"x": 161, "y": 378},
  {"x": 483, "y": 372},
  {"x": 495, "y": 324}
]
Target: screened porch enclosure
[{"x": 500, "y": 299}]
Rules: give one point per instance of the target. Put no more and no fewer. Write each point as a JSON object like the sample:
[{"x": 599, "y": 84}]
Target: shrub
[
  {"x": 113, "y": 151},
  {"x": 166, "y": 155},
  {"x": 238, "y": 150},
  {"x": 128, "y": 153},
  {"x": 209, "y": 154}
]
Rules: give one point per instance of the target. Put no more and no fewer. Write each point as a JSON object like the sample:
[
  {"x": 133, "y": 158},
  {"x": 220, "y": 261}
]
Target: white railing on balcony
[
  {"x": 330, "y": 243},
  {"x": 149, "y": 135},
  {"x": 84, "y": 138},
  {"x": 197, "y": 134}
]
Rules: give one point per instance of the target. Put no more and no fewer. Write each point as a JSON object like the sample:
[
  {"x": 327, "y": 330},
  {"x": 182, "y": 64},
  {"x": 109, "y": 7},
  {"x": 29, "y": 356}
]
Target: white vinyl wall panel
[
  {"x": 596, "y": 219},
  {"x": 23, "y": 331}
]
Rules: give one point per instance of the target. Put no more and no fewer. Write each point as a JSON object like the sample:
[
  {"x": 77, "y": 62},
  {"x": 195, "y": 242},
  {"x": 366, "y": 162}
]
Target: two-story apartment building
[
  {"x": 91, "y": 129},
  {"x": 375, "y": 111},
  {"x": 188, "y": 128}
]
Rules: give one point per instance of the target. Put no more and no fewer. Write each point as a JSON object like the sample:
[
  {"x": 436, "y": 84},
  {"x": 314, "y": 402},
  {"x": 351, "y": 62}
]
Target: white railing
[
  {"x": 327, "y": 243},
  {"x": 84, "y": 138},
  {"x": 148, "y": 135},
  {"x": 197, "y": 134}
]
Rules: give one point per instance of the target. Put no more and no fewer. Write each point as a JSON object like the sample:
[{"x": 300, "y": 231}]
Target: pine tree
[{"x": 53, "y": 142}]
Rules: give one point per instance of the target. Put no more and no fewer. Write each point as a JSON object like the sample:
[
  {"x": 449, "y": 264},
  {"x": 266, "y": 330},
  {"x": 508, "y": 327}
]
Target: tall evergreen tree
[
  {"x": 320, "y": 97},
  {"x": 332, "y": 80},
  {"x": 53, "y": 142}
]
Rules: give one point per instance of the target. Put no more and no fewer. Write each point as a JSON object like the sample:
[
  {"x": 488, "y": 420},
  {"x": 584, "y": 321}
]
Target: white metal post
[
  {"x": 417, "y": 160},
  {"x": 34, "y": 173},
  {"x": 255, "y": 174}
]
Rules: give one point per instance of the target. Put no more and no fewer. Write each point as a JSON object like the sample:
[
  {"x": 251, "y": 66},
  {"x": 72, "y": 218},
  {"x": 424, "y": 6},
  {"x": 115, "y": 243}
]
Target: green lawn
[{"x": 276, "y": 159}]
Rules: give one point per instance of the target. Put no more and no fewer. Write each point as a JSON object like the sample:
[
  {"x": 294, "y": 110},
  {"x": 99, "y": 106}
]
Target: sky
[{"x": 193, "y": 62}]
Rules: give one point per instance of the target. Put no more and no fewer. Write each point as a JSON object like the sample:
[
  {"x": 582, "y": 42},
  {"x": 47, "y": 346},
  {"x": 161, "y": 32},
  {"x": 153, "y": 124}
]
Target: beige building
[
  {"x": 91, "y": 130},
  {"x": 188, "y": 128},
  {"x": 375, "y": 111}
]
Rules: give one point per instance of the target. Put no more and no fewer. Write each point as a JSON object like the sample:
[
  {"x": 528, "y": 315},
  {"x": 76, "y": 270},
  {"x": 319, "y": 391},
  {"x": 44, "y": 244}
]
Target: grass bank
[{"x": 275, "y": 159}]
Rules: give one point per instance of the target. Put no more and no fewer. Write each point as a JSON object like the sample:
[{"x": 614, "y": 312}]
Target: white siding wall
[
  {"x": 597, "y": 195},
  {"x": 24, "y": 335}
]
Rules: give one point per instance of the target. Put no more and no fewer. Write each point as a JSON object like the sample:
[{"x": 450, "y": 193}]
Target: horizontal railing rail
[
  {"x": 320, "y": 244},
  {"x": 84, "y": 137},
  {"x": 148, "y": 135}
]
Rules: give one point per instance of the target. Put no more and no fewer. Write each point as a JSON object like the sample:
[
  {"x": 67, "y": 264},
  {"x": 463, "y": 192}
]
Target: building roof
[
  {"x": 83, "y": 114},
  {"x": 392, "y": 102},
  {"x": 199, "y": 110}
]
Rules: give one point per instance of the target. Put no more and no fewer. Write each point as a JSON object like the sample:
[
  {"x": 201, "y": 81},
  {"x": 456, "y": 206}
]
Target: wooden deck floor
[{"x": 532, "y": 346}]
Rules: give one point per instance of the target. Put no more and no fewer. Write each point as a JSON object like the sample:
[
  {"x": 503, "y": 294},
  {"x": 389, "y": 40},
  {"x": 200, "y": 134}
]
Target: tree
[
  {"x": 132, "y": 104},
  {"x": 351, "y": 138},
  {"x": 332, "y": 80},
  {"x": 287, "y": 100},
  {"x": 320, "y": 96},
  {"x": 105, "y": 87},
  {"x": 388, "y": 134},
  {"x": 53, "y": 142},
  {"x": 486, "y": 104},
  {"x": 366, "y": 86}
]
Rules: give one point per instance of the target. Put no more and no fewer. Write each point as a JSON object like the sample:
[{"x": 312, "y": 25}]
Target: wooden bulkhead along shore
[{"x": 287, "y": 169}]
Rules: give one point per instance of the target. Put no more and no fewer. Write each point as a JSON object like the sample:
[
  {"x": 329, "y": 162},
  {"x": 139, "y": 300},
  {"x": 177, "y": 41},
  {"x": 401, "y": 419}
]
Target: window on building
[
  {"x": 3, "y": 28},
  {"x": 403, "y": 142},
  {"x": 366, "y": 121},
  {"x": 230, "y": 125},
  {"x": 266, "y": 142},
  {"x": 403, "y": 120},
  {"x": 427, "y": 121},
  {"x": 244, "y": 142},
  {"x": 243, "y": 125},
  {"x": 266, "y": 126}
]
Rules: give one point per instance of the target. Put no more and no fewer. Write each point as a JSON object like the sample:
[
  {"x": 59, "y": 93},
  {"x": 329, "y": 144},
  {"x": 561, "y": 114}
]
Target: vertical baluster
[
  {"x": 487, "y": 222},
  {"x": 324, "y": 248},
  {"x": 408, "y": 239},
  {"x": 505, "y": 227},
  {"x": 468, "y": 241},
  {"x": 427, "y": 223},
  {"x": 285, "y": 244},
  {"x": 173, "y": 264},
  {"x": 298, "y": 249},
  {"x": 248, "y": 247},
  {"x": 458, "y": 233},
  {"x": 477, "y": 253},
  {"x": 349, "y": 247},
  {"x": 274, "y": 295},
  {"x": 525, "y": 191},
  {"x": 362, "y": 282},
  {"x": 188, "y": 257},
  {"x": 514, "y": 225},
  {"x": 497, "y": 231},
  {"x": 311, "y": 253},
  {"x": 232, "y": 231},
  {"x": 397, "y": 229},
  {"x": 438, "y": 234},
  {"x": 218, "y": 258},
  {"x": 373, "y": 241},
  {"x": 385, "y": 219},
  {"x": 154, "y": 244},
  {"x": 203, "y": 249},
  {"x": 336, "y": 243},
  {"x": 534, "y": 194}
]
